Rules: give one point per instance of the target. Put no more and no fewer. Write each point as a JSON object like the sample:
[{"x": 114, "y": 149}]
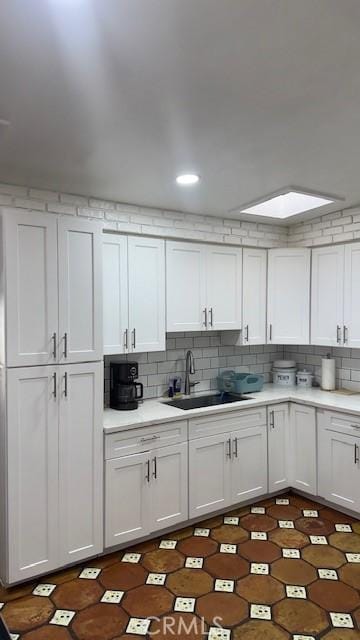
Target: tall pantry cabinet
[{"x": 51, "y": 400}]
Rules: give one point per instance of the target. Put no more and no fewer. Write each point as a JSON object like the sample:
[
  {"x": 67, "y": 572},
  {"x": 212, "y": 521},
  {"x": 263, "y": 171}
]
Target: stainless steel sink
[{"x": 205, "y": 401}]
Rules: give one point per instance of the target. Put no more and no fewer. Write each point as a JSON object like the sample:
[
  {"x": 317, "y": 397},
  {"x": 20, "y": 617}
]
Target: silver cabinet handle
[
  {"x": 154, "y": 467},
  {"x": 270, "y": 332},
  {"x": 54, "y": 344},
  {"x": 235, "y": 449},
  {"x": 65, "y": 384},
  {"x": 134, "y": 338},
  {"x": 126, "y": 339},
  {"x": 272, "y": 420},
  {"x": 211, "y": 314},
  {"x": 338, "y": 333},
  {"x": 147, "y": 470},
  {"x": 228, "y": 453},
  {"x": 346, "y": 334},
  {"x": 54, "y": 384},
  {"x": 205, "y": 317},
  {"x": 247, "y": 333},
  {"x": 356, "y": 453},
  {"x": 150, "y": 439},
  {"x": 65, "y": 352}
]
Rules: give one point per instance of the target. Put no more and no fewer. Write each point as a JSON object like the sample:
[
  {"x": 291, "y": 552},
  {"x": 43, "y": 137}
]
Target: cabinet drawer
[
  {"x": 221, "y": 423},
  {"x": 133, "y": 441},
  {"x": 339, "y": 422}
]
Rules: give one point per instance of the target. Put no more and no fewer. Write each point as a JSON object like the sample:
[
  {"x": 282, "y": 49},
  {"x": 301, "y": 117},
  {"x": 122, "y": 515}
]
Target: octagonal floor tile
[
  {"x": 349, "y": 542},
  {"x": 99, "y": 622},
  {"x": 227, "y": 566},
  {"x": 259, "y": 551},
  {"x": 147, "y": 601},
  {"x": 350, "y": 574},
  {"x": 77, "y": 594},
  {"x": 163, "y": 560},
  {"x": 300, "y": 617},
  {"x": 228, "y": 608},
  {"x": 182, "y": 626},
  {"x": 197, "y": 546},
  {"x": 122, "y": 576},
  {"x": 27, "y": 613},
  {"x": 342, "y": 634},
  {"x": 289, "y": 538},
  {"x": 315, "y": 526},
  {"x": 230, "y": 534},
  {"x": 190, "y": 582},
  {"x": 334, "y": 595},
  {"x": 284, "y": 512},
  {"x": 258, "y": 522},
  {"x": 292, "y": 571},
  {"x": 323, "y": 556},
  {"x": 259, "y": 630},
  {"x": 49, "y": 632},
  {"x": 260, "y": 589}
]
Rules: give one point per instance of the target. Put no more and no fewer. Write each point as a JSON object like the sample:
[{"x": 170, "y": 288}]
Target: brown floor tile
[
  {"x": 342, "y": 634},
  {"x": 190, "y": 582},
  {"x": 284, "y": 512},
  {"x": 289, "y": 538},
  {"x": 259, "y": 630},
  {"x": 27, "y": 613},
  {"x": 302, "y": 503},
  {"x": 163, "y": 560},
  {"x": 259, "y": 551},
  {"x": 258, "y": 522},
  {"x": 260, "y": 589},
  {"x": 77, "y": 594},
  {"x": 182, "y": 626},
  {"x": 229, "y": 608},
  {"x": 106, "y": 561},
  {"x": 197, "y": 546},
  {"x": 122, "y": 576},
  {"x": 227, "y": 566},
  {"x": 334, "y": 596},
  {"x": 239, "y": 512},
  {"x": 49, "y": 632},
  {"x": 335, "y": 516},
  {"x": 349, "y": 542},
  {"x": 212, "y": 523},
  {"x": 292, "y": 571},
  {"x": 182, "y": 534},
  {"x": 148, "y": 600},
  {"x": 230, "y": 534},
  {"x": 315, "y": 526},
  {"x": 350, "y": 574},
  {"x": 143, "y": 547},
  {"x": 323, "y": 556},
  {"x": 356, "y": 617},
  {"x": 6, "y": 595},
  {"x": 300, "y": 616},
  {"x": 63, "y": 576},
  {"x": 100, "y": 622}
]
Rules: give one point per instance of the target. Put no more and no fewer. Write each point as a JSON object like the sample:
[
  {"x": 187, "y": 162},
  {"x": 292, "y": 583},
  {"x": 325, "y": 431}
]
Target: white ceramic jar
[
  {"x": 284, "y": 373},
  {"x": 304, "y": 378}
]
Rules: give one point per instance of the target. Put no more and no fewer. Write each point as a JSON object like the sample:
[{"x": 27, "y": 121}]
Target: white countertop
[{"x": 157, "y": 411}]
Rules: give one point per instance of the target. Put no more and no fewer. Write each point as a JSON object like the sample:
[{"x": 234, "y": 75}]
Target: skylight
[{"x": 286, "y": 204}]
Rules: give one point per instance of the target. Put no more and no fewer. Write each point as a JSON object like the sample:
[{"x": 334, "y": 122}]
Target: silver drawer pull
[
  {"x": 154, "y": 437},
  {"x": 356, "y": 453},
  {"x": 235, "y": 447},
  {"x": 228, "y": 453},
  {"x": 147, "y": 477},
  {"x": 54, "y": 345},
  {"x": 155, "y": 467}
]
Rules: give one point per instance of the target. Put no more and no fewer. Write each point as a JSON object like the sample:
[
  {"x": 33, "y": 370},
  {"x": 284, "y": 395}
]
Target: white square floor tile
[
  {"x": 293, "y": 591},
  {"x": 90, "y": 573},
  {"x": 156, "y": 578},
  {"x": 112, "y": 596},
  {"x": 194, "y": 563},
  {"x": 343, "y": 620},
  {"x": 282, "y": 501},
  {"x": 352, "y": 557},
  {"x": 224, "y": 585},
  {"x": 62, "y": 617},
  {"x": 301, "y": 637},
  {"x": 231, "y": 520},
  {"x": 318, "y": 540},
  {"x": 202, "y": 532},
  {"x": 259, "y": 535},
  {"x": 217, "y": 633},
  {"x": 228, "y": 548},
  {"x": 138, "y": 626},
  {"x": 260, "y": 612},
  {"x": 167, "y": 544},
  {"x": 327, "y": 574},
  {"x": 44, "y": 589},
  {"x": 1, "y": 605},
  {"x": 184, "y": 604},
  {"x": 291, "y": 553},
  {"x": 133, "y": 558},
  {"x": 259, "y": 510},
  {"x": 310, "y": 513},
  {"x": 344, "y": 528},
  {"x": 286, "y": 524},
  {"x": 259, "y": 568},
  {"x": 14, "y": 636}
]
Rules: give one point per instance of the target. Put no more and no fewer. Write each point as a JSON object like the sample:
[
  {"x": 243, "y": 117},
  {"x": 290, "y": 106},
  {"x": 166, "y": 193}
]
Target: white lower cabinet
[
  {"x": 303, "y": 448},
  {"x": 278, "y": 446},
  {"x": 249, "y": 464}
]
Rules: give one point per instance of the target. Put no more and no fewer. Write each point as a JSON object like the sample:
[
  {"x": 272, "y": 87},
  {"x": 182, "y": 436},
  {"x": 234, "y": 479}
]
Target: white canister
[
  {"x": 284, "y": 377},
  {"x": 304, "y": 378}
]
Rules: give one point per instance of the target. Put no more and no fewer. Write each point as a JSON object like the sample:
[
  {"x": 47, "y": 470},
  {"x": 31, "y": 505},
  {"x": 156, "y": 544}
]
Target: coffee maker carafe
[{"x": 124, "y": 391}]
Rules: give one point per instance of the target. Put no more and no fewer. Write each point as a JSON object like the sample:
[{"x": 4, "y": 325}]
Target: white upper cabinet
[
  {"x": 146, "y": 276},
  {"x": 80, "y": 291},
  {"x": 115, "y": 293},
  {"x": 31, "y": 290},
  {"x": 185, "y": 287},
  {"x": 203, "y": 285},
  {"x": 289, "y": 296},
  {"x": 327, "y": 295},
  {"x": 254, "y": 296},
  {"x": 351, "y": 332},
  {"x": 223, "y": 278}
]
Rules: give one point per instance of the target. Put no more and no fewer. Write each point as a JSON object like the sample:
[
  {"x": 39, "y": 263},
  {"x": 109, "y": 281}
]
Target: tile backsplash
[
  {"x": 213, "y": 352},
  {"x": 347, "y": 363}
]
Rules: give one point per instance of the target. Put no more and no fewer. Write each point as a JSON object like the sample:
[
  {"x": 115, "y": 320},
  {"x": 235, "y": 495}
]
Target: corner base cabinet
[{"x": 303, "y": 448}]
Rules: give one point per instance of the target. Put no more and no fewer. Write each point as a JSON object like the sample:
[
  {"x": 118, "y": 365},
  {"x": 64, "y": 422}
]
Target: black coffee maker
[{"x": 124, "y": 392}]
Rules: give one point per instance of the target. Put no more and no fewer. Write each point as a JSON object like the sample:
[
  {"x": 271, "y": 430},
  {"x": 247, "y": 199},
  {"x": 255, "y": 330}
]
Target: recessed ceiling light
[
  {"x": 187, "y": 179},
  {"x": 289, "y": 202}
]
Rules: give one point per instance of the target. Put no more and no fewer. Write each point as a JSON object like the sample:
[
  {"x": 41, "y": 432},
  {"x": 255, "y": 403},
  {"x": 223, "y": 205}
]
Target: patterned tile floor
[{"x": 286, "y": 568}]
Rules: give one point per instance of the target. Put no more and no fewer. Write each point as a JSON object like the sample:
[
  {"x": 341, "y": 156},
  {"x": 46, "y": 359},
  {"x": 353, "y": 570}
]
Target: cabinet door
[
  {"x": 32, "y": 499},
  {"x": 351, "y": 296},
  {"x": 288, "y": 296},
  {"x": 327, "y": 293},
  {"x": 127, "y": 495},
  {"x": 254, "y": 296},
  {"x": 31, "y": 289},
  {"x": 278, "y": 446},
  {"x": 146, "y": 274},
  {"x": 115, "y": 293},
  {"x": 223, "y": 287},
  {"x": 339, "y": 468},
  {"x": 80, "y": 461},
  {"x": 249, "y": 464},
  {"x": 209, "y": 474},
  {"x": 80, "y": 290},
  {"x": 303, "y": 452},
  {"x": 169, "y": 486},
  {"x": 185, "y": 286}
]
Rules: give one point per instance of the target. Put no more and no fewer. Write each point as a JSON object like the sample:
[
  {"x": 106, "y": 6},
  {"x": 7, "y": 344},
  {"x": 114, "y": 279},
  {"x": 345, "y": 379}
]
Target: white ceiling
[{"x": 113, "y": 98}]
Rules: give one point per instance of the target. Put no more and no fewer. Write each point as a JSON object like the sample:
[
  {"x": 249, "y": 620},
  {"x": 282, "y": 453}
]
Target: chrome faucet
[{"x": 189, "y": 369}]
